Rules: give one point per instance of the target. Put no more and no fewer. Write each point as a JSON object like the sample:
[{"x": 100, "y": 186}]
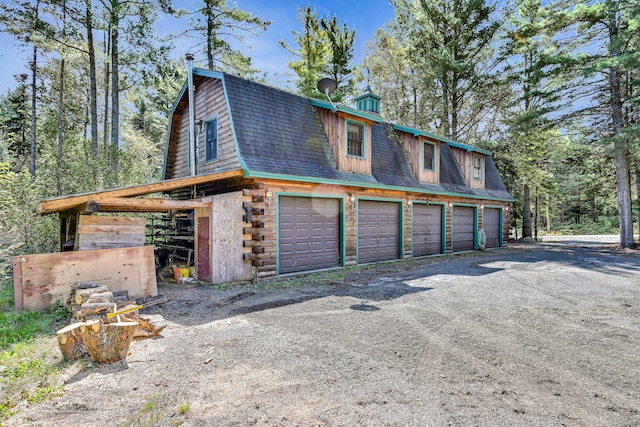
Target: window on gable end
[
  {"x": 211, "y": 140},
  {"x": 428, "y": 156},
  {"x": 355, "y": 139},
  {"x": 477, "y": 167}
]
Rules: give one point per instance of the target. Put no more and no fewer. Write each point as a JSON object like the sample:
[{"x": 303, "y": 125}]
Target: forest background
[{"x": 550, "y": 87}]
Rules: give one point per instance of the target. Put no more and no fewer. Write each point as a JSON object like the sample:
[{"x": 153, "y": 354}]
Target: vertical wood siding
[
  {"x": 334, "y": 127},
  {"x": 465, "y": 160},
  {"x": 413, "y": 146},
  {"x": 210, "y": 101}
]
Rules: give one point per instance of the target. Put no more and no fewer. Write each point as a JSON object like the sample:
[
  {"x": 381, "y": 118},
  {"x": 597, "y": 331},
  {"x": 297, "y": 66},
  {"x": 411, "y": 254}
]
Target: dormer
[
  {"x": 424, "y": 152},
  {"x": 472, "y": 161},
  {"x": 349, "y": 131}
]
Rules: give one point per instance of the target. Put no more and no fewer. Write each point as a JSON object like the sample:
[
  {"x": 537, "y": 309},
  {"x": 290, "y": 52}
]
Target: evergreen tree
[
  {"x": 15, "y": 119},
  {"x": 212, "y": 24},
  {"x": 325, "y": 48}
]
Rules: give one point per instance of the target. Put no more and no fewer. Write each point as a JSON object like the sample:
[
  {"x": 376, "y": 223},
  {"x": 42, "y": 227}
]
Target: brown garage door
[
  {"x": 378, "y": 231},
  {"x": 463, "y": 228},
  {"x": 491, "y": 226},
  {"x": 427, "y": 229},
  {"x": 309, "y": 233}
]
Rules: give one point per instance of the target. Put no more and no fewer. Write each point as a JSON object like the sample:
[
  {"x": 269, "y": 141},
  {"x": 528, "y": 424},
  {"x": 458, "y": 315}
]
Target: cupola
[{"x": 368, "y": 102}]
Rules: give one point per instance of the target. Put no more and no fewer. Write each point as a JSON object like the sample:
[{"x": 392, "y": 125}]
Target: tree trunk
[
  {"x": 60, "y": 128},
  {"x": 34, "y": 93},
  {"x": 107, "y": 79},
  {"x": 536, "y": 216},
  {"x": 93, "y": 91},
  {"x": 547, "y": 216},
  {"x": 115, "y": 85},
  {"x": 526, "y": 212},
  {"x": 638, "y": 195}
]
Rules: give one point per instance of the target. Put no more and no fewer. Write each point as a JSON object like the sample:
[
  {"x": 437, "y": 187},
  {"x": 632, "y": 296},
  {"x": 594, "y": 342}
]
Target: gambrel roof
[{"x": 281, "y": 135}]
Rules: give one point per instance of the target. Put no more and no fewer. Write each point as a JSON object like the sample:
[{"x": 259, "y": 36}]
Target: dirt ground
[{"x": 532, "y": 335}]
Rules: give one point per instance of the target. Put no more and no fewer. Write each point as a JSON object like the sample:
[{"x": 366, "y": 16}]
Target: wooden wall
[
  {"x": 335, "y": 128},
  {"x": 465, "y": 159},
  {"x": 260, "y": 236},
  {"x": 413, "y": 146},
  {"x": 41, "y": 280},
  {"x": 104, "y": 232},
  {"x": 210, "y": 100}
]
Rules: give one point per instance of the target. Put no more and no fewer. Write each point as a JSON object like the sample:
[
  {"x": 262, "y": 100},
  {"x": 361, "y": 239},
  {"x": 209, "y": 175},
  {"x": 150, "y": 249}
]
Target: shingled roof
[{"x": 281, "y": 133}]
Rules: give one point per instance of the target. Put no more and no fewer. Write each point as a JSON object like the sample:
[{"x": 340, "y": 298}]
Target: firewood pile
[{"x": 105, "y": 323}]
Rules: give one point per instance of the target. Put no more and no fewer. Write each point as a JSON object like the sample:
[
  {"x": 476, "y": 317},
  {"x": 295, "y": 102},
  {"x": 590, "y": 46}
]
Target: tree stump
[
  {"x": 107, "y": 343},
  {"x": 70, "y": 342}
]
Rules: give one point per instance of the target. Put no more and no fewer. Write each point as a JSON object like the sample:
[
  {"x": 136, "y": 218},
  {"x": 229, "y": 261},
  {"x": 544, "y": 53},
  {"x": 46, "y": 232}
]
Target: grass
[{"x": 29, "y": 363}]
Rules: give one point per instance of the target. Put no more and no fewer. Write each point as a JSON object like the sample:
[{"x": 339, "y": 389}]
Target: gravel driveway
[{"x": 542, "y": 335}]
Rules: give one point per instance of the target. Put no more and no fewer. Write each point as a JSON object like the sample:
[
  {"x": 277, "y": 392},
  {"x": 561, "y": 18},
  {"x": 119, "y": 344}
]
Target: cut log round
[
  {"x": 107, "y": 343},
  {"x": 82, "y": 295},
  {"x": 70, "y": 342}
]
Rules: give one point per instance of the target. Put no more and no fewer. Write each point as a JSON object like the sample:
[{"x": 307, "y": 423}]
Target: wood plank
[
  {"x": 60, "y": 204},
  {"x": 155, "y": 204},
  {"x": 43, "y": 279}
]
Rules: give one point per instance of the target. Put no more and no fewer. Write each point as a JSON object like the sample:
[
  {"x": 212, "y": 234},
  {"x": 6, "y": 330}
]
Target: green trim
[
  {"x": 469, "y": 148},
  {"x": 501, "y": 225},
  {"x": 173, "y": 111},
  {"x": 243, "y": 165},
  {"x": 362, "y": 114},
  {"x": 205, "y": 142},
  {"x": 208, "y": 73},
  {"x": 418, "y": 132},
  {"x": 475, "y": 223},
  {"x": 364, "y": 139},
  {"x": 314, "y": 180},
  {"x": 443, "y": 223},
  {"x": 400, "y": 203},
  {"x": 341, "y": 227},
  {"x": 435, "y": 156}
]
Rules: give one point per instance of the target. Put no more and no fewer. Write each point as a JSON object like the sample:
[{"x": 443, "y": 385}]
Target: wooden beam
[
  {"x": 155, "y": 204},
  {"x": 60, "y": 204}
]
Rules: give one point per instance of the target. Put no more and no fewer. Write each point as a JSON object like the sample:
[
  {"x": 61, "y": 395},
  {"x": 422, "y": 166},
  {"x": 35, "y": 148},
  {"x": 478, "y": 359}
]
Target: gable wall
[
  {"x": 413, "y": 145},
  {"x": 335, "y": 128},
  {"x": 210, "y": 100},
  {"x": 465, "y": 159}
]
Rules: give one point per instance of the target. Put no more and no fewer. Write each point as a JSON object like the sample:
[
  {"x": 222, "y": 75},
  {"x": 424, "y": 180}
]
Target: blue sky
[{"x": 267, "y": 54}]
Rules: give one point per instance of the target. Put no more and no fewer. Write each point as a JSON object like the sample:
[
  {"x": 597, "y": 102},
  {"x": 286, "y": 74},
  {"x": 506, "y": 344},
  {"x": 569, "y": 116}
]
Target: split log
[
  {"x": 82, "y": 295},
  {"x": 85, "y": 285},
  {"x": 70, "y": 342},
  {"x": 100, "y": 297},
  {"x": 107, "y": 343},
  {"x": 149, "y": 325},
  {"x": 92, "y": 309}
]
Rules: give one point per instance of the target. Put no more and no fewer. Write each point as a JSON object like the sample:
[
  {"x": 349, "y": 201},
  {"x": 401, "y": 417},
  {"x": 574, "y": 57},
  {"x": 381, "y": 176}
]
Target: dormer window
[
  {"x": 428, "y": 156},
  {"x": 355, "y": 139},
  {"x": 477, "y": 167}
]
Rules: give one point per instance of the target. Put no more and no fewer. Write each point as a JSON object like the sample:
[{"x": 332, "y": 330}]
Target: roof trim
[
  {"x": 61, "y": 204},
  {"x": 173, "y": 111},
  {"x": 348, "y": 110},
  {"x": 208, "y": 73},
  {"x": 418, "y": 132},
  {"x": 469, "y": 148},
  {"x": 268, "y": 175},
  {"x": 243, "y": 165}
]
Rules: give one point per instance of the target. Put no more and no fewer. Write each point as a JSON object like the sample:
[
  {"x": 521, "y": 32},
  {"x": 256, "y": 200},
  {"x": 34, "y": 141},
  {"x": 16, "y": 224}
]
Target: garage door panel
[
  {"x": 378, "y": 231},
  {"x": 427, "y": 229},
  {"x": 463, "y": 228},
  {"x": 309, "y": 233},
  {"x": 491, "y": 226}
]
